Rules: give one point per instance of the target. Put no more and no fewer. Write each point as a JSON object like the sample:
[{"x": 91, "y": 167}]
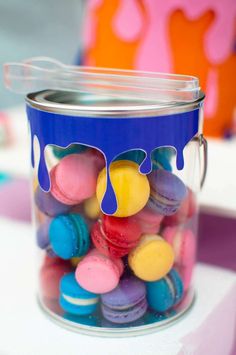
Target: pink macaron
[
  {"x": 51, "y": 272},
  {"x": 74, "y": 178},
  {"x": 98, "y": 273},
  {"x": 148, "y": 220},
  {"x": 186, "y": 210},
  {"x": 184, "y": 244}
]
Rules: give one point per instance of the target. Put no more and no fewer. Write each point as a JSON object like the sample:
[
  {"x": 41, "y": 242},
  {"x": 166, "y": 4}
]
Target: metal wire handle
[{"x": 203, "y": 142}]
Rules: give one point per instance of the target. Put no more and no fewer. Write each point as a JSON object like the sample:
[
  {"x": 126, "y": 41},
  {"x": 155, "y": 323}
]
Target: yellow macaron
[
  {"x": 152, "y": 259},
  {"x": 75, "y": 261},
  {"x": 92, "y": 208},
  {"x": 131, "y": 188}
]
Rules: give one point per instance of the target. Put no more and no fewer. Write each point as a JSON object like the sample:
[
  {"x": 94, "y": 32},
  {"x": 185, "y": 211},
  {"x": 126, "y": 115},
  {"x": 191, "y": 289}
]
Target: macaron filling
[{"x": 79, "y": 301}]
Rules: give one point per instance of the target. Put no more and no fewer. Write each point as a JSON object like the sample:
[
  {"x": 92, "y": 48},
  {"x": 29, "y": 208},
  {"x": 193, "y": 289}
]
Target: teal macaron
[
  {"x": 137, "y": 156},
  {"x": 74, "y": 299},
  {"x": 165, "y": 293},
  {"x": 60, "y": 152},
  {"x": 69, "y": 236},
  {"x": 161, "y": 158}
]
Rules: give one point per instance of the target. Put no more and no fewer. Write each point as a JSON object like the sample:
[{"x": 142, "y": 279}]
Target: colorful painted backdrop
[{"x": 180, "y": 36}]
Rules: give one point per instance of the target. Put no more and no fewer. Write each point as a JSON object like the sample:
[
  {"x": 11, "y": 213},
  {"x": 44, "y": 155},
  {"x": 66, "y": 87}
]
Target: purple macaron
[
  {"x": 47, "y": 204},
  {"x": 126, "y": 303},
  {"x": 167, "y": 192},
  {"x": 42, "y": 237}
]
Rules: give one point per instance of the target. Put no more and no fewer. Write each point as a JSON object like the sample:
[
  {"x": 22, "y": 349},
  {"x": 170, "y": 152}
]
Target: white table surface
[
  {"x": 218, "y": 194},
  {"x": 206, "y": 330}
]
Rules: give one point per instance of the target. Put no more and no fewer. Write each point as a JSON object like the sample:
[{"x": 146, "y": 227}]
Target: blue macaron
[
  {"x": 165, "y": 293},
  {"x": 60, "y": 153},
  {"x": 167, "y": 192},
  {"x": 74, "y": 299},
  {"x": 69, "y": 236}
]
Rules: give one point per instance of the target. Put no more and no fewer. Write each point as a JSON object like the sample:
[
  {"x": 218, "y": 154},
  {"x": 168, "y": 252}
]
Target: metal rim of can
[{"x": 72, "y": 103}]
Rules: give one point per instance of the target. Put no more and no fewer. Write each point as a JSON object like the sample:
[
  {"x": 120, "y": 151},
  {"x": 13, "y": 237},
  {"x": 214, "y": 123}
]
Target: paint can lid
[{"x": 42, "y": 73}]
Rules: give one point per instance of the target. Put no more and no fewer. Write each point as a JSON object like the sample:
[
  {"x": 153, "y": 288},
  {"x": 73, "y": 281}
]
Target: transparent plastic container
[{"x": 118, "y": 158}]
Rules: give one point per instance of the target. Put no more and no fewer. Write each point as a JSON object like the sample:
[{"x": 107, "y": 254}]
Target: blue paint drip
[{"x": 112, "y": 136}]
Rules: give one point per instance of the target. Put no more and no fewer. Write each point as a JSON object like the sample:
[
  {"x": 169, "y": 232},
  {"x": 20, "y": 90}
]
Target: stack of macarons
[{"x": 138, "y": 260}]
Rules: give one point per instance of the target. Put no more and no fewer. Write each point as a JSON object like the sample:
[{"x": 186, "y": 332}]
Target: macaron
[
  {"x": 47, "y": 204},
  {"x": 126, "y": 303},
  {"x": 187, "y": 209},
  {"x": 184, "y": 245},
  {"x": 42, "y": 237},
  {"x": 69, "y": 236},
  {"x": 136, "y": 156},
  {"x": 97, "y": 273},
  {"x": 60, "y": 152},
  {"x": 166, "y": 293},
  {"x": 161, "y": 158},
  {"x": 75, "y": 261},
  {"x": 114, "y": 236},
  {"x": 96, "y": 158},
  {"x": 92, "y": 208},
  {"x": 74, "y": 179},
  {"x": 51, "y": 272},
  {"x": 131, "y": 188},
  {"x": 74, "y": 299},
  {"x": 148, "y": 220},
  {"x": 167, "y": 192},
  {"x": 152, "y": 258}
]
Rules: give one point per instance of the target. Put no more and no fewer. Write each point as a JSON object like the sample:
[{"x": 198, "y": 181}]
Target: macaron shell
[
  {"x": 97, "y": 273},
  {"x": 92, "y": 208},
  {"x": 131, "y": 188},
  {"x": 148, "y": 220},
  {"x": 187, "y": 209},
  {"x": 62, "y": 236},
  {"x": 136, "y": 156},
  {"x": 168, "y": 185},
  {"x": 83, "y": 239},
  {"x": 75, "y": 178},
  {"x": 152, "y": 259},
  {"x": 184, "y": 244},
  {"x": 75, "y": 261},
  {"x": 186, "y": 273},
  {"x": 104, "y": 246},
  {"x": 48, "y": 204},
  {"x": 159, "y": 295},
  {"x": 129, "y": 292},
  {"x": 125, "y": 316},
  {"x": 123, "y": 232},
  {"x": 161, "y": 158},
  {"x": 163, "y": 294},
  {"x": 178, "y": 285},
  {"x": 71, "y": 291},
  {"x": 61, "y": 152},
  {"x": 69, "y": 236},
  {"x": 167, "y": 192},
  {"x": 42, "y": 234},
  {"x": 118, "y": 245},
  {"x": 50, "y": 275},
  {"x": 57, "y": 193}
]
